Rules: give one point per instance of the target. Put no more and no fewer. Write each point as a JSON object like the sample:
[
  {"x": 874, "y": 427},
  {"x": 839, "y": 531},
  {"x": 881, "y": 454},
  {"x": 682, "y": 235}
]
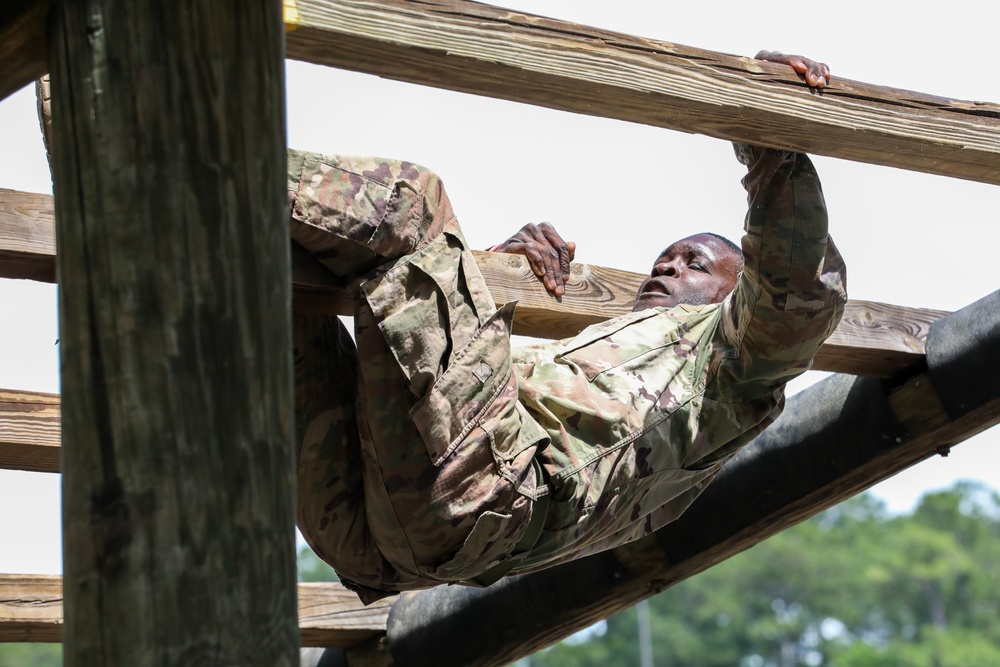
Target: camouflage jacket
[{"x": 643, "y": 410}]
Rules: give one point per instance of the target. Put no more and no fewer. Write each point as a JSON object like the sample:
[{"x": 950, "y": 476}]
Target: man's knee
[{"x": 355, "y": 213}]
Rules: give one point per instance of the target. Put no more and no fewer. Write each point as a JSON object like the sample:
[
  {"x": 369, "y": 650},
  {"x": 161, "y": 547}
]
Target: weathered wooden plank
[
  {"x": 476, "y": 48},
  {"x": 30, "y": 608},
  {"x": 178, "y": 484},
  {"x": 29, "y": 431},
  {"x": 485, "y": 50},
  {"x": 27, "y": 236},
  {"x": 873, "y": 339},
  {"x": 22, "y": 43},
  {"x": 329, "y": 614}
]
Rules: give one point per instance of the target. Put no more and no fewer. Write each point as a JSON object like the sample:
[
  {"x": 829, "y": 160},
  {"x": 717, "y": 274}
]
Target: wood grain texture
[
  {"x": 178, "y": 480},
  {"x": 29, "y": 431},
  {"x": 22, "y": 43},
  {"x": 873, "y": 338},
  {"x": 485, "y": 50},
  {"x": 331, "y": 615},
  {"x": 27, "y": 236},
  {"x": 31, "y": 610}
]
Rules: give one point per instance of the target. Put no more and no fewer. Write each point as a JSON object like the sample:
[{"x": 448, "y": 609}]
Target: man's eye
[{"x": 699, "y": 267}]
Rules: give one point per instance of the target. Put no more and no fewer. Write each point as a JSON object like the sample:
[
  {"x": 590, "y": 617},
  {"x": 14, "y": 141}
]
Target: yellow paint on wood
[{"x": 291, "y": 15}]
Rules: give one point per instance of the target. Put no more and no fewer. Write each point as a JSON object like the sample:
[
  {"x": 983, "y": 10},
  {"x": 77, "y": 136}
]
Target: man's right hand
[
  {"x": 548, "y": 254},
  {"x": 816, "y": 74}
]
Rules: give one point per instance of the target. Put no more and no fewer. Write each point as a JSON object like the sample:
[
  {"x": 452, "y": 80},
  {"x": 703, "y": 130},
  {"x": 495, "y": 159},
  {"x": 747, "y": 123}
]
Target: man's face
[{"x": 697, "y": 270}]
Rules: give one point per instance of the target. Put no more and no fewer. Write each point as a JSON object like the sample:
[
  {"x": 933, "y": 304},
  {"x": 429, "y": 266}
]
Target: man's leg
[
  {"x": 445, "y": 456},
  {"x": 331, "y": 508}
]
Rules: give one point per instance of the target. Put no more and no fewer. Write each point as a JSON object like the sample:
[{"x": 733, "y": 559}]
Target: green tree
[{"x": 30, "y": 655}]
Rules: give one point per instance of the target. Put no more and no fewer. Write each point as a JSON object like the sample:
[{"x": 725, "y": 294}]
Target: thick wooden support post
[
  {"x": 834, "y": 440},
  {"x": 174, "y": 304}
]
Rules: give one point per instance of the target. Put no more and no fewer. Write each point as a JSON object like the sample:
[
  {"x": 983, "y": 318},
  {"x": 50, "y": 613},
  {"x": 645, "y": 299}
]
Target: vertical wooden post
[{"x": 169, "y": 170}]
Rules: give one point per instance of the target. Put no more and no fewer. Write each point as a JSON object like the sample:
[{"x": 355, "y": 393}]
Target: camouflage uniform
[{"x": 433, "y": 454}]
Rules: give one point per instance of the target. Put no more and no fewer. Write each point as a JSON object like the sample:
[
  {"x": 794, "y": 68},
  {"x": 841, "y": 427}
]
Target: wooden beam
[
  {"x": 873, "y": 339},
  {"x": 27, "y": 236},
  {"x": 178, "y": 480},
  {"x": 29, "y": 431},
  {"x": 485, "y": 50},
  {"x": 22, "y": 43},
  {"x": 476, "y": 48},
  {"x": 31, "y": 608},
  {"x": 329, "y": 614}
]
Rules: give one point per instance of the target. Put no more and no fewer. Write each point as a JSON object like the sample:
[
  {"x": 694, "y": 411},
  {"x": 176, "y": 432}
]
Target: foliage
[
  {"x": 30, "y": 655},
  {"x": 311, "y": 568},
  {"x": 852, "y": 587}
]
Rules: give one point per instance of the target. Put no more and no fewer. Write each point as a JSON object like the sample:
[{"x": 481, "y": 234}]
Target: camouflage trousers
[{"x": 415, "y": 456}]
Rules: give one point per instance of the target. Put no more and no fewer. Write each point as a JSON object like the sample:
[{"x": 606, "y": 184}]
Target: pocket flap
[
  {"x": 485, "y": 540},
  {"x": 600, "y": 349},
  {"x": 606, "y": 328}
]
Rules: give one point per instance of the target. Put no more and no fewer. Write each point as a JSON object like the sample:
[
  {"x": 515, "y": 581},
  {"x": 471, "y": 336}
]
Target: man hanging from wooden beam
[{"x": 432, "y": 453}]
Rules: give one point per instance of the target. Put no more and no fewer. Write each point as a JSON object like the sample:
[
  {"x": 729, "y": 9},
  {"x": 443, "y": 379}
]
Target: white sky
[{"x": 621, "y": 191}]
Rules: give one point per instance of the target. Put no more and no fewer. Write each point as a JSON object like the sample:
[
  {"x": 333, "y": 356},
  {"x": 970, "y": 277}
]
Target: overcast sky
[{"x": 622, "y": 191}]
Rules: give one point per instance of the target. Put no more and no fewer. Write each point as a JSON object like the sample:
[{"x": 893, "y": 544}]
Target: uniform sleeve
[{"x": 791, "y": 293}]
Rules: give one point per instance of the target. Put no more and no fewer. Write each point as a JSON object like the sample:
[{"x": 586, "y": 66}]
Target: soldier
[{"x": 431, "y": 452}]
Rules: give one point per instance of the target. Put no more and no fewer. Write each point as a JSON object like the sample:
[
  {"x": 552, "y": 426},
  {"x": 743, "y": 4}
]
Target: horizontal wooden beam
[
  {"x": 495, "y": 52},
  {"x": 329, "y": 614},
  {"x": 873, "y": 338},
  {"x": 485, "y": 50},
  {"x": 29, "y": 431},
  {"x": 27, "y": 236}
]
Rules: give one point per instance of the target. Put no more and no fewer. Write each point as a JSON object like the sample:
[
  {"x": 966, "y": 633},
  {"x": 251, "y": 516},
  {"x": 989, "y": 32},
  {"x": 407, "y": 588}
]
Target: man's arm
[
  {"x": 792, "y": 291},
  {"x": 791, "y": 294}
]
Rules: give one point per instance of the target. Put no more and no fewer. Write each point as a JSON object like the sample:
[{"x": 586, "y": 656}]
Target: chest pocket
[{"x": 620, "y": 343}]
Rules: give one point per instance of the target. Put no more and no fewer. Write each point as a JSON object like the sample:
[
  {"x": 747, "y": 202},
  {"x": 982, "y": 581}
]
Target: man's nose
[{"x": 668, "y": 269}]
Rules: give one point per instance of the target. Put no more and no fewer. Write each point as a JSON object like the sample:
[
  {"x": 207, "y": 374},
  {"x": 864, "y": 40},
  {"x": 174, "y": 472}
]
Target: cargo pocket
[
  {"x": 422, "y": 312},
  {"x": 487, "y": 537},
  {"x": 477, "y": 389}
]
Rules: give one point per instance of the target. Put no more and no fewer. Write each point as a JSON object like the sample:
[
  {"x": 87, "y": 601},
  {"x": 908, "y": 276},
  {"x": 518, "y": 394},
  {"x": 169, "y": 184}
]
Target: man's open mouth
[{"x": 654, "y": 286}]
